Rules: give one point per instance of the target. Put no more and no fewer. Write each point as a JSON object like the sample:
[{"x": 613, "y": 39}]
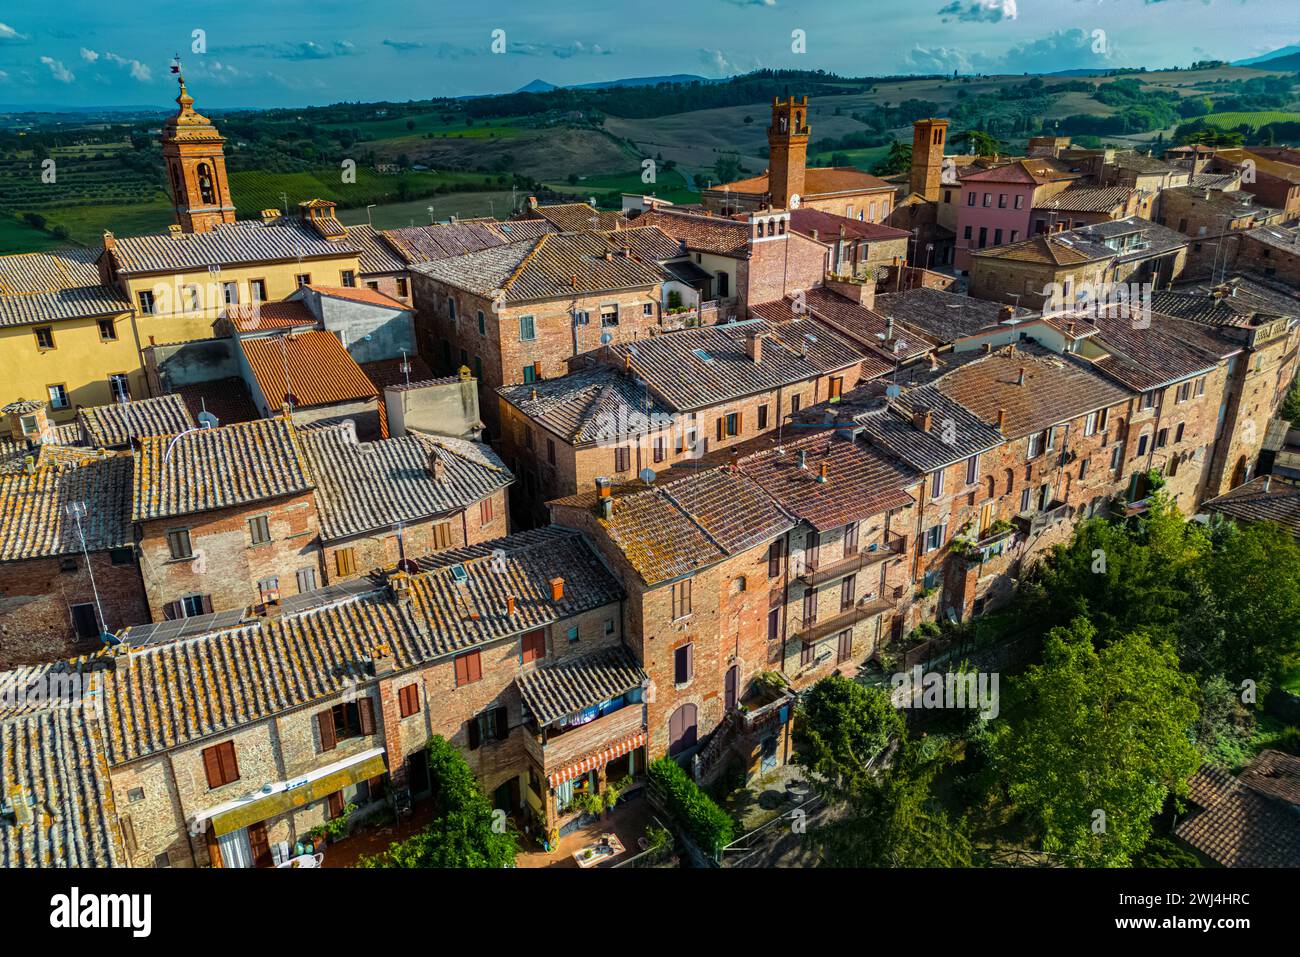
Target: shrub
[{"x": 694, "y": 810}]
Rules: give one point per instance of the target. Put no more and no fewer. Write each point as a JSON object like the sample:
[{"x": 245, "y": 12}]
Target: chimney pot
[
  {"x": 510, "y": 605},
  {"x": 825, "y": 472},
  {"x": 1002, "y": 420},
  {"x": 1268, "y": 482},
  {"x": 754, "y": 347},
  {"x": 803, "y": 459},
  {"x": 1020, "y": 379},
  {"x": 557, "y": 589}
]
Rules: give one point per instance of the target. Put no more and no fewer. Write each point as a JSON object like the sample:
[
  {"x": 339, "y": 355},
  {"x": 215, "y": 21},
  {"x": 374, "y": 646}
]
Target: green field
[
  {"x": 17, "y": 237},
  {"x": 864, "y": 159},
  {"x": 670, "y": 186},
  {"x": 416, "y": 212},
  {"x": 1230, "y": 121},
  {"x": 393, "y": 127},
  {"x": 255, "y": 191}
]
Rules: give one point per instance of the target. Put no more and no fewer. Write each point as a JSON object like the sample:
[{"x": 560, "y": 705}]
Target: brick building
[
  {"x": 996, "y": 205},
  {"x": 68, "y": 571},
  {"x": 226, "y": 518},
  {"x": 789, "y": 183},
  {"x": 517, "y": 313},
  {"x": 856, "y": 246}
]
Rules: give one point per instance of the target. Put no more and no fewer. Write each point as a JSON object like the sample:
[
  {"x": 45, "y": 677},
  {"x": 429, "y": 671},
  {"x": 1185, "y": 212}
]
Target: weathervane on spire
[{"x": 176, "y": 68}]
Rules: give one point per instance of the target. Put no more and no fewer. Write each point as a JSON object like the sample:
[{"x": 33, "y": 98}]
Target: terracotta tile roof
[
  {"x": 1250, "y": 502},
  {"x": 364, "y": 294},
  {"x": 227, "y": 244},
  {"x": 1284, "y": 238},
  {"x": 218, "y": 468},
  {"x": 13, "y": 452},
  {"x": 818, "y": 181},
  {"x": 115, "y": 425},
  {"x": 1036, "y": 170},
  {"x": 693, "y": 368},
  {"x": 1049, "y": 251},
  {"x": 1090, "y": 199},
  {"x": 52, "y": 759},
  {"x": 422, "y": 244},
  {"x": 648, "y": 243},
  {"x": 376, "y": 255},
  {"x": 34, "y": 517},
  {"x": 565, "y": 687},
  {"x": 519, "y": 566},
  {"x": 513, "y": 230},
  {"x": 709, "y": 234},
  {"x": 578, "y": 217},
  {"x": 590, "y": 405},
  {"x": 366, "y": 486},
  {"x": 320, "y": 371},
  {"x": 828, "y": 225},
  {"x": 386, "y": 372},
  {"x": 867, "y": 326},
  {"x": 1149, "y": 358},
  {"x": 227, "y": 399},
  {"x": 889, "y": 425},
  {"x": 61, "y": 284},
  {"x": 265, "y": 316},
  {"x": 682, "y": 525},
  {"x": 1250, "y": 821},
  {"x": 1142, "y": 163},
  {"x": 943, "y": 316},
  {"x": 1055, "y": 389},
  {"x": 860, "y": 482},
  {"x": 554, "y": 265},
  {"x": 1242, "y": 302}
]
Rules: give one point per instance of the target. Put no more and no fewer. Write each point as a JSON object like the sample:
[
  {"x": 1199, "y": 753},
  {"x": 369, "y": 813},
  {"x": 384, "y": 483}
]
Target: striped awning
[{"x": 596, "y": 759}]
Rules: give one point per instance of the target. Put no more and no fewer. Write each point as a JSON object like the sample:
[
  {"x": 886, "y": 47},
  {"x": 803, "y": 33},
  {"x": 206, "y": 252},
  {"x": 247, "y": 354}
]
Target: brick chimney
[
  {"x": 510, "y": 605},
  {"x": 754, "y": 347},
  {"x": 604, "y": 497},
  {"x": 557, "y": 589},
  {"x": 825, "y": 474},
  {"x": 923, "y": 419},
  {"x": 1002, "y": 420},
  {"x": 382, "y": 661},
  {"x": 1020, "y": 377},
  {"x": 436, "y": 468}
]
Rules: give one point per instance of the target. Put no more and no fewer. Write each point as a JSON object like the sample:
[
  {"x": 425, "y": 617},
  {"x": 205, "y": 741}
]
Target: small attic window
[{"x": 702, "y": 356}]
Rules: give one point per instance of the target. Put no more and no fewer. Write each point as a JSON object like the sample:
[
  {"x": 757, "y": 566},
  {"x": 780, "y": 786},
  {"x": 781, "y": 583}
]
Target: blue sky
[{"x": 277, "y": 53}]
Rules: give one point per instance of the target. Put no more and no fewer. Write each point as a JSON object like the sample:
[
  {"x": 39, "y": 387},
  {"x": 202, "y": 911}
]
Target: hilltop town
[{"x": 578, "y": 490}]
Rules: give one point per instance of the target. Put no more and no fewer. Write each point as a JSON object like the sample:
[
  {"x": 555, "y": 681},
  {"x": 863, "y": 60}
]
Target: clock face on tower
[{"x": 794, "y": 200}]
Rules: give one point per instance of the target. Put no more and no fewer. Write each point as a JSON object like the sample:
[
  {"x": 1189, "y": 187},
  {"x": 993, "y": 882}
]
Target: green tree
[
  {"x": 891, "y": 819},
  {"x": 844, "y": 728},
  {"x": 897, "y": 160},
  {"x": 985, "y": 144},
  {"x": 1097, "y": 741},
  {"x": 463, "y": 832}
]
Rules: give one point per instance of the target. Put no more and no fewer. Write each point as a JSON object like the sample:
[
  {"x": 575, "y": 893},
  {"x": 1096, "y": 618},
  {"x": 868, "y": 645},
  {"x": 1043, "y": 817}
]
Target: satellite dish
[
  {"x": 208, "y": 420},
  {"x": 893, "y": 391},
  {"x": 606, "y": 338},
  {"x": 647, "y": 476}
]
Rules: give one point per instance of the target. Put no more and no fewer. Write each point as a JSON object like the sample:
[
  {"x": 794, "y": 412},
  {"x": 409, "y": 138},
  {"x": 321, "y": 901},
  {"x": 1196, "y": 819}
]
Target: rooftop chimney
[
  {"x": 1268, "y": 482},
  {"x": 988, "y": 348},
  {"x": 510, "y": 605},
  {"x": 754, "y": 347},
  {"x": 923, "y": 419},
  {"x": 532, "y": 202},
  {"x": 381, "y": 660},
  {"x": 803, "y": 459},
  {"x": 435, "y": 465},
  {"x": 1002, "y": 420},
  {"x": 1020, "y": 378},
  {"x": 557, "y": 589},
  {"x": 825, "y": 472},
  {"x": 1006, "y": 313}
]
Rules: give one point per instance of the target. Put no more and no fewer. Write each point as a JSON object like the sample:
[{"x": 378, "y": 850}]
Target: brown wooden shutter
[
  {"x": 475, "y": 666},
  {"x": 260, "y": 844},
  {"x": 690, "y": 661},
  {"x": 229, "y": 765},
  {"x": 335, "y": 804},
  {"x": 207, "y": 604},
  {"x": 740, "y": 423},
  {"x": 502, "y": 724},
  {"x": 719, "y": 427},
  {"x": 212, "y": 765},
  {"x": 325, "y": 721},
  {"x": 462, "y": 670},
  {"x": 366, "y": 715}
]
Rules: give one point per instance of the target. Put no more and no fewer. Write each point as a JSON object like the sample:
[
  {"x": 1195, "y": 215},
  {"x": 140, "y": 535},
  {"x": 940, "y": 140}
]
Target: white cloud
[
  {"x": 90, "y": 56},
  {"x": 979, "y": 11},
  {"x": 9, "y": 33},
  {"x": 137, "y": 69},
  {"x": 59, "y": 71}
]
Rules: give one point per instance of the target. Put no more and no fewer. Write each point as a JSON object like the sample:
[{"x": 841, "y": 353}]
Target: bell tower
[
  {"x": 928, "y": 140},
  {"x": 787, "y": 141},
  {"x": 196, "y": 166}
]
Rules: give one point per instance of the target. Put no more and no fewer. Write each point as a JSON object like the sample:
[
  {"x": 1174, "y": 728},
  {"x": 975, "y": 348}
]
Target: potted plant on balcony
[{"x": 331, "y": 830}]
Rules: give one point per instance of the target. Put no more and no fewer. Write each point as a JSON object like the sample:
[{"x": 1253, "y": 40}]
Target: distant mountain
[
  {"x": 1280, "y": 52},
  {"x": 537, "y": 86},
  {"x": 1082, "y": 71},
  {"x": 541, "y": 86},
  {"x": 1290, "y": 61}
]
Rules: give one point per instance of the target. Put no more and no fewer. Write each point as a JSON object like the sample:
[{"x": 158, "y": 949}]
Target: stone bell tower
[
  {"x": 787, "y": 141},
  {"x": 196, "y": 167}
]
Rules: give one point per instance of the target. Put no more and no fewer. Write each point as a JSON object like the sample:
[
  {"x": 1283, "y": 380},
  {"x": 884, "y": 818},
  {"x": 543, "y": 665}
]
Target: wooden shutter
[
  {"x": 207, "y": 604},
  {"x": 325, "y": 721},
  {"x": 720, "y": 427},
  {"x": 229, "y": 766},
  {"x": 475, "y": 666},
  {"x": 335, "y": 804},
  {"x": 502, "y": 717},
  {"x": 212, "y": 765},
  {"x": 534, "y": 646},
  {"x": 408, "y": 700},
  {"x": 471, "y": 731},
  {"x": 366, "y": 714},
  {"x": 345, "y": 561},
  {"x": 462, "y": 670},
  {"x": 260, "y": 844}
]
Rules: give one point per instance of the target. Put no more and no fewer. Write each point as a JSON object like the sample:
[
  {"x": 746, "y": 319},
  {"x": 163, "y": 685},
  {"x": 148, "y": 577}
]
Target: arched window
[
  {"x": 207, "y": 185},
  {"x": 784, "y": 124},
  {"x": 798, "y": 122},
  {"x": 992, "y": 489},
  {"x": 681, "y": 729},
  {"x": 1011, "y": 480}
]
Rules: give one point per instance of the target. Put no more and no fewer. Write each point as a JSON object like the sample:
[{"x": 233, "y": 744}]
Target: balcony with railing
[
  {"x": 1038, "y": 521},
  {"x": 809, "y": 630},
  {"x": 817, "y": 571},
  {"x": 554, "y": 750}
]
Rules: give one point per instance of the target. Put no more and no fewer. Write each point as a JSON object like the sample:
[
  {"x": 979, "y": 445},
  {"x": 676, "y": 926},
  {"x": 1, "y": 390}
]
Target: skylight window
[{"x": 702, "y": 356}]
